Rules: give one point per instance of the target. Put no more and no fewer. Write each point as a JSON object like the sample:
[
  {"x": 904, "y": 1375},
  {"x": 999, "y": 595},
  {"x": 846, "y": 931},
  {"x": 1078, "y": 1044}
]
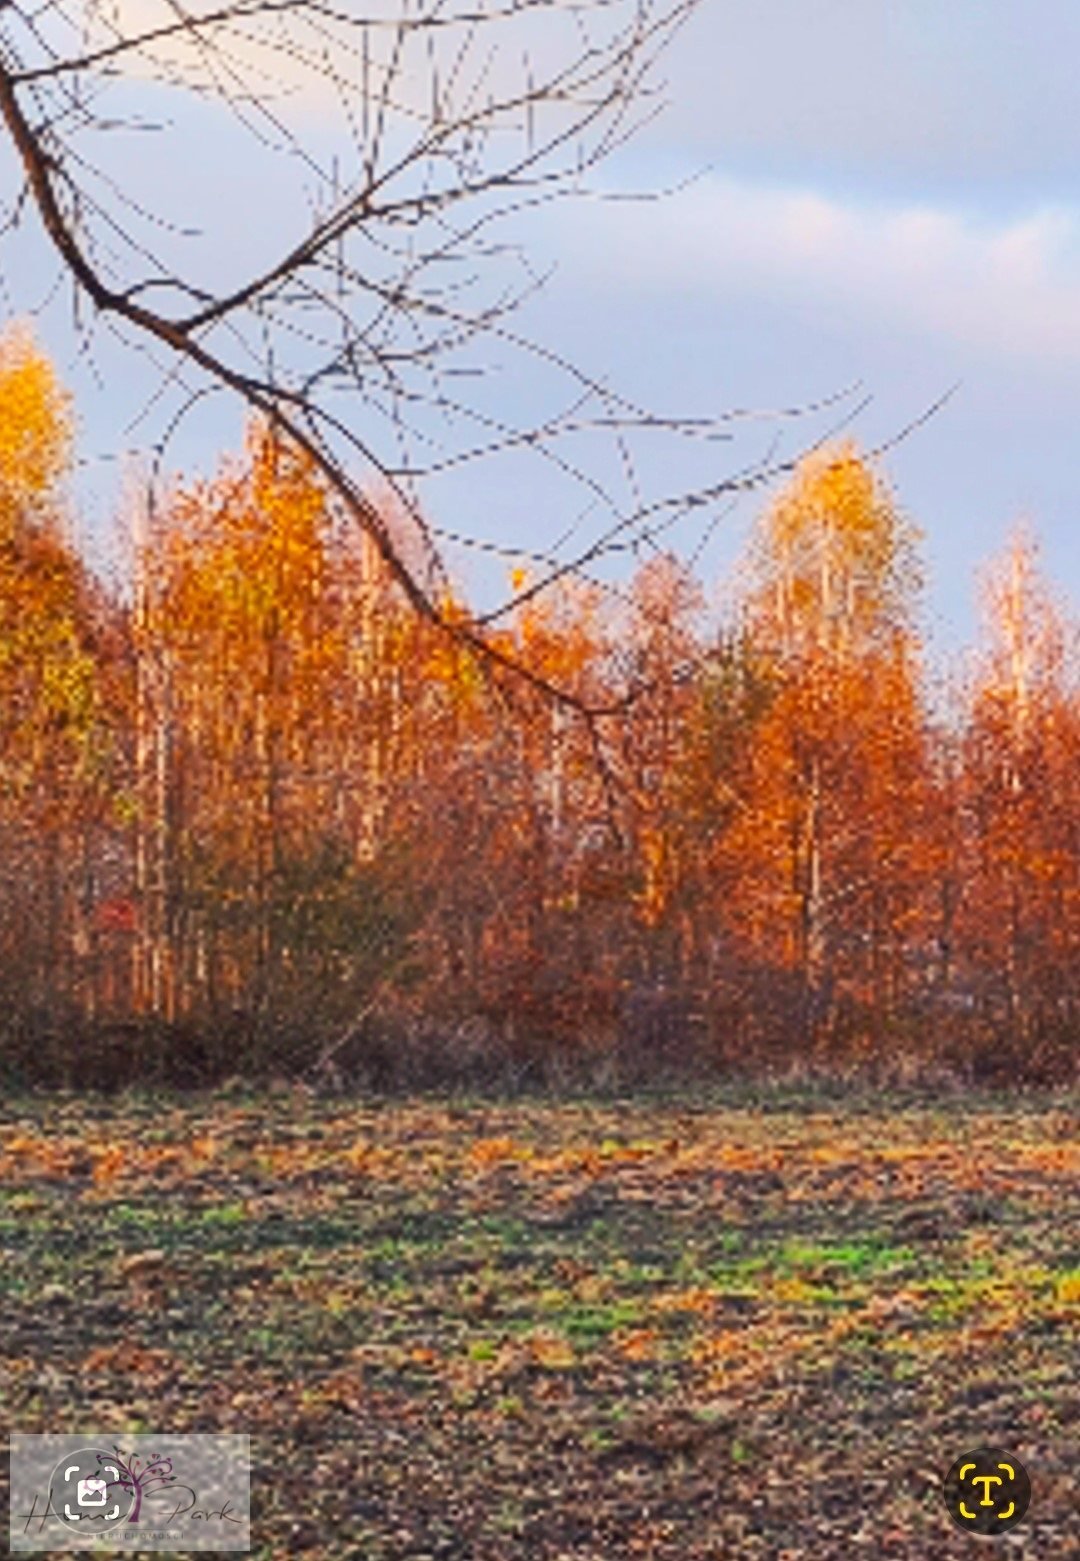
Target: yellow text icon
[{"x": 987, "y": 1491}]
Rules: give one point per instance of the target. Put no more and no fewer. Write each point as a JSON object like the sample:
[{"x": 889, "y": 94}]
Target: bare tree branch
[{"x": 459, "y": 118}]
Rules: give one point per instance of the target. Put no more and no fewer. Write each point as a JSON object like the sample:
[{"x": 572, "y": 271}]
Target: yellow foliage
[
  {"x": 1068, "y": 1289},
  {"x": 835, "y": 560},
  {"x": 35, "y": 418}
]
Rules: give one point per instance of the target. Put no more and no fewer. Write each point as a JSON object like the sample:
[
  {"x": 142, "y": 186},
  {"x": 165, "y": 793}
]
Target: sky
[{"x": 864, "y": 193}]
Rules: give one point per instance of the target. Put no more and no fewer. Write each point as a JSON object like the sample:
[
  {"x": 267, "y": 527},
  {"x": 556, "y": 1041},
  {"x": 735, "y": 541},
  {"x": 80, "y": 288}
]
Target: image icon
[{"x": 88, "y": 1492}]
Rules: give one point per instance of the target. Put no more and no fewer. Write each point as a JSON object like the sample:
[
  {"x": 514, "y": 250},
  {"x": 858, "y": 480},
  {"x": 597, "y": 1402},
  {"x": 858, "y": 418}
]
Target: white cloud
[
  {"x": 1013, "y": 288},
  {"x": 314, "y": 63}
]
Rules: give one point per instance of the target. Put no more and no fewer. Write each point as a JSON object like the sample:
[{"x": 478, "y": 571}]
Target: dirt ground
[{"x": 680, "y": 1328}]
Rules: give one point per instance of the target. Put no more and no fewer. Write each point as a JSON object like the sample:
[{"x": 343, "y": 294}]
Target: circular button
[
  {"x": 987, "y": 1491},
  {"x": 91, "y": 1492}
]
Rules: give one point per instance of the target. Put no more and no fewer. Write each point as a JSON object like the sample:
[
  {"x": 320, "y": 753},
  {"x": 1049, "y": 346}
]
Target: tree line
[{"x": 258, "y": 816}]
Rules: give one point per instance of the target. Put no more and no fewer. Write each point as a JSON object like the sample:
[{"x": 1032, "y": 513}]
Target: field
[{"x": 679, "y": 1328}]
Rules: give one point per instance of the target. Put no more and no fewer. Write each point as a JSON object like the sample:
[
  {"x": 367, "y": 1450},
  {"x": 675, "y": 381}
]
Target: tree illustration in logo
[{"x": 136, "y": 1476}]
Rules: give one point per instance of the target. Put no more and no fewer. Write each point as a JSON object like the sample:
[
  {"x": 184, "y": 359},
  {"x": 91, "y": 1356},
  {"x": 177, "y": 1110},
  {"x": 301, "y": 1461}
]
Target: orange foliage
[{"x": 263, "y": 797}]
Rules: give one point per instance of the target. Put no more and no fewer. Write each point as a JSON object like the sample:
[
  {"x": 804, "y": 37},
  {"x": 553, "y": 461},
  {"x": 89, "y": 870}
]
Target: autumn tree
[
  {"x": 1021, "y": 905},
  {"x": 500, "y": 791},
  {"x": 826, "y": 841},
  {"x": 259, "y": 804},
  {"x": 262, "y": 701},
  {"x": 61, "y": 678},
  {"x": 553, "y": 811}
]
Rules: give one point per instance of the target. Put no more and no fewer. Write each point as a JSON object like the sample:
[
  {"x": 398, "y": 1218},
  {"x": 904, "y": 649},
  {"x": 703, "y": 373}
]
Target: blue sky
[
  {"x": 884, "y": 193},
  {"x": 889, "y": 196}
]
